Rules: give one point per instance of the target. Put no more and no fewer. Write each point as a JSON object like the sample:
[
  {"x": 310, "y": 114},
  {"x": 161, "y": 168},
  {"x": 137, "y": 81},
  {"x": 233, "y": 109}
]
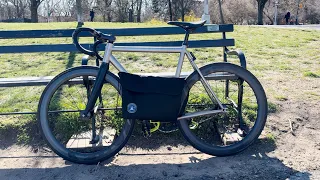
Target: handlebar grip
[{"x": 75, "y": 36}]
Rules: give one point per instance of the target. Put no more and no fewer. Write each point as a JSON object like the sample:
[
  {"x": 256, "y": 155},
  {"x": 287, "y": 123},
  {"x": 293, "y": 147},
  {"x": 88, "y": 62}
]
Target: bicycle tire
[
  {"x": 50, "y": 124},
  {"x": 220, "y": 148}
]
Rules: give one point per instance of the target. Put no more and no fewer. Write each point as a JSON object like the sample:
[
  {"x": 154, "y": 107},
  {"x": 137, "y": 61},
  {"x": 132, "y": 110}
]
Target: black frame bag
[{"x": 152, "y": 98}]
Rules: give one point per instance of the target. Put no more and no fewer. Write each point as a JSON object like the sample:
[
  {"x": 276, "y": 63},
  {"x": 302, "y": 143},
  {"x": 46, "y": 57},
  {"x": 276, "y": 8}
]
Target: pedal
[{"x": 146, "y": 128}]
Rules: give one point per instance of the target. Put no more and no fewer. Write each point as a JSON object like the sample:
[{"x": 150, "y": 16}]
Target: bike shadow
[{"x": 253, "y": 163}]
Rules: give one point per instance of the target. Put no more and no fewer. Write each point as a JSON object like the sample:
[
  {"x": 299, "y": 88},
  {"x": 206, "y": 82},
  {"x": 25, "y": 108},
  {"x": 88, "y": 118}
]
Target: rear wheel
[
  {"x": 83, "y": 141},
  {"x": 245, "y": 102}
]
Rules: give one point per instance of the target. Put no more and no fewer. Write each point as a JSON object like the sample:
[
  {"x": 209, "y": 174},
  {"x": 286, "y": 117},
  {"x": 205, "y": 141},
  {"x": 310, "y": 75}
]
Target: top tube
[{"x": 180, "y": 49}]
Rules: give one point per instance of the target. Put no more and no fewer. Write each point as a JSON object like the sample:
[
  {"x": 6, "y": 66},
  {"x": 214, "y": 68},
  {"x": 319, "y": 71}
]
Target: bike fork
[
  {"x": 96, "y": 90},
  {"x": 88, "y": 113}
]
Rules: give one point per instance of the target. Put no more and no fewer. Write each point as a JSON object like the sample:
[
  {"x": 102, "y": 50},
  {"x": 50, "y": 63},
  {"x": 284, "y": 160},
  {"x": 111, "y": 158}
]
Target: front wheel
[
  {"x": 83, "y": 141},
  {"x": 245, "y": 102}
]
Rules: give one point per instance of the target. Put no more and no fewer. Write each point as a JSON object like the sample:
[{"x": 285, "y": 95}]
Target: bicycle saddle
[{"x": 187, "y": 25}]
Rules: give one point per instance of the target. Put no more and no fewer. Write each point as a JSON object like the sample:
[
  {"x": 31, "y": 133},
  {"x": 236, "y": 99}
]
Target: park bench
[{"x": 63, "y": 33}]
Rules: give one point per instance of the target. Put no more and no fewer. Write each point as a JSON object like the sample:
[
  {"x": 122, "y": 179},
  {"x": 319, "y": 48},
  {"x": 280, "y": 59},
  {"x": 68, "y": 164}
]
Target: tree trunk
[
  {"x": 104, "y": 17},
  {"x": 182, "y": 10},
  {"x": 221, "y": 14},
  {"x": 170, "y": 10},
  {"x": 107, "y": 10},
  {"x": 79, "y": 13},
  {"x": 131, "y": 12},
  {"x": 34, "y": 10},
  {"x": 139, "y": 6},
  {"x": 261, "y": 4},
  {"x": 18, "y": 10},
  {"x": 109, "y": 16},
  {"x": 9, "y": 14},
  {"x": 130, "y": 15}
]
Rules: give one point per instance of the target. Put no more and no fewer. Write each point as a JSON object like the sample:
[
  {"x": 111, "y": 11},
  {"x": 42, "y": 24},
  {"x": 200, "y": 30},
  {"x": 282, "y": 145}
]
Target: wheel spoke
[
  {"x": 71, "y": 136},
  {"x": 222, "y": 130}
]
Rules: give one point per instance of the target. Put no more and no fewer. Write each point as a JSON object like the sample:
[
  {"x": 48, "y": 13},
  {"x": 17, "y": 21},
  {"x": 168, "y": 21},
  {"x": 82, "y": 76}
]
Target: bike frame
[{"x": 182, "y": 50}]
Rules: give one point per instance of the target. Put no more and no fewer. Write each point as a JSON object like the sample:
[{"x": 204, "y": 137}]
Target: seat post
[{"x": 186, "y": 37}]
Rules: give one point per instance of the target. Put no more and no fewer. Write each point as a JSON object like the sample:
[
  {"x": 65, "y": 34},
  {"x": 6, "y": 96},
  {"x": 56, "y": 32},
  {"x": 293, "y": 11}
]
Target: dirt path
[
  {"x": 179, "y": 163},
  {"x": 293, "y": 155},
  {"x": 307, "y": 27}
]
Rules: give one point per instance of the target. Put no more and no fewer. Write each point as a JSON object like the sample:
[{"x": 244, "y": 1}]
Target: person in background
[
  {"x": 91, "y": 15},
  {"x": 287, "y": 17}
]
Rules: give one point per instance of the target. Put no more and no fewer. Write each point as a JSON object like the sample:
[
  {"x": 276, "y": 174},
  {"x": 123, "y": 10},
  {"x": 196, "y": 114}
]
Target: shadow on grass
[
  {"x": 71, "y": 59},
  {"x": 26, "y": 133}
]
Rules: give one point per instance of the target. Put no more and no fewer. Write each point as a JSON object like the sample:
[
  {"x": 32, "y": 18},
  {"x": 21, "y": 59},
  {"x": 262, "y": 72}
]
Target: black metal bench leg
[
  {"x": 85, "y": 60},
  {"x": 243, "y": 64},
  {"x": 240, "y": 99}
]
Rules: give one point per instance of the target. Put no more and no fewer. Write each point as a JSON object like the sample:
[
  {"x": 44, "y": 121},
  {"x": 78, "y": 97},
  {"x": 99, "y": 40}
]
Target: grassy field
[{"x": 282, "y": 59}]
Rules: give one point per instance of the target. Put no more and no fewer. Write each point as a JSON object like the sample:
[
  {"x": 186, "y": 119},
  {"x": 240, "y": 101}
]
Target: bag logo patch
[{"x": 132, "y": 108}]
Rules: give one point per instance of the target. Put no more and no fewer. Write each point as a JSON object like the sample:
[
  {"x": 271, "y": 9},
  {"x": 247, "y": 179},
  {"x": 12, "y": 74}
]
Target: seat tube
[{"x": 180, "y": 62}]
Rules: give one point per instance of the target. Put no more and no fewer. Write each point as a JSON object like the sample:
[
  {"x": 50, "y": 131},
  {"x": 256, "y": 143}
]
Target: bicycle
[{"x": 221, "y": 107}]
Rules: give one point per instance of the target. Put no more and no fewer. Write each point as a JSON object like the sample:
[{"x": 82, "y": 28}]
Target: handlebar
[
  {"x": 75, "y": 39},
  {"x": 97, "y": 34}
]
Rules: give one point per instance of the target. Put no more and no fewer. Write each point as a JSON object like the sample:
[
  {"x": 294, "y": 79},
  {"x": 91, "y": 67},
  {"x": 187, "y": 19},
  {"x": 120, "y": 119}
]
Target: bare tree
[
  {"x": 261, "y": 4},
  {"x": 64, "y": 9},
  {"x": 104, "y": 8},
  {"x": 20, "y": 7},
  {"x": 220, "y": 10},
  {"x": 34, "y": 4},
  {"x": 170, "y": 10},
  {"x": 269, "y": 11},
  {"x": 122, "y": 7},
  {"x": 53, "y": 8},
  {"x": 138, "y": 8},
  {"x": 79, "y": 13},
  {"x": 182, "y": 7},
  {"x": 247, "y": 14}
]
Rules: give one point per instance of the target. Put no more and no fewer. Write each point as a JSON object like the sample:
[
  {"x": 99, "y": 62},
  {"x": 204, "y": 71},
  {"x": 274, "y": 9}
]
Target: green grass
[
  {"x": 311, "y": 74},
  {"x": 275, "y": 56},
  {"x": 272, "y": 107},
  {"x": 281, "y": 98},
  {"x": 271, "y": 137}
]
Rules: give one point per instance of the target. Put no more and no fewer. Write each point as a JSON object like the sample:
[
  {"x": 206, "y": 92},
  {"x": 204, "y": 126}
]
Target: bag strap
[{"x": 184, "y": 100}]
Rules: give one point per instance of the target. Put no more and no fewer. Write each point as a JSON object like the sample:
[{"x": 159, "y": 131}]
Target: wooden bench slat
[
  {"x": 25, "y": 81},
  {"x": 211, "y": 28},
  {"x": 58, "y": 33},
  {"x": 72, "y": 48}
]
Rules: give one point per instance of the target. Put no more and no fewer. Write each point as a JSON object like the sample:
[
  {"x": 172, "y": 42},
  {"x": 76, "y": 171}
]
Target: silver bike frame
[{"x": 109, "y": 58}]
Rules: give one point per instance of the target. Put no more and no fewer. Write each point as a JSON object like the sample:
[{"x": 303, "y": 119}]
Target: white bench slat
[{"x": 38, "y": 81}]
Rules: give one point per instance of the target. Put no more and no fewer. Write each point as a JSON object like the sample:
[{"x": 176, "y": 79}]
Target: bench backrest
[
  {"x": 34, "y": 48},
  {"x": 212, "y": 28}
]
